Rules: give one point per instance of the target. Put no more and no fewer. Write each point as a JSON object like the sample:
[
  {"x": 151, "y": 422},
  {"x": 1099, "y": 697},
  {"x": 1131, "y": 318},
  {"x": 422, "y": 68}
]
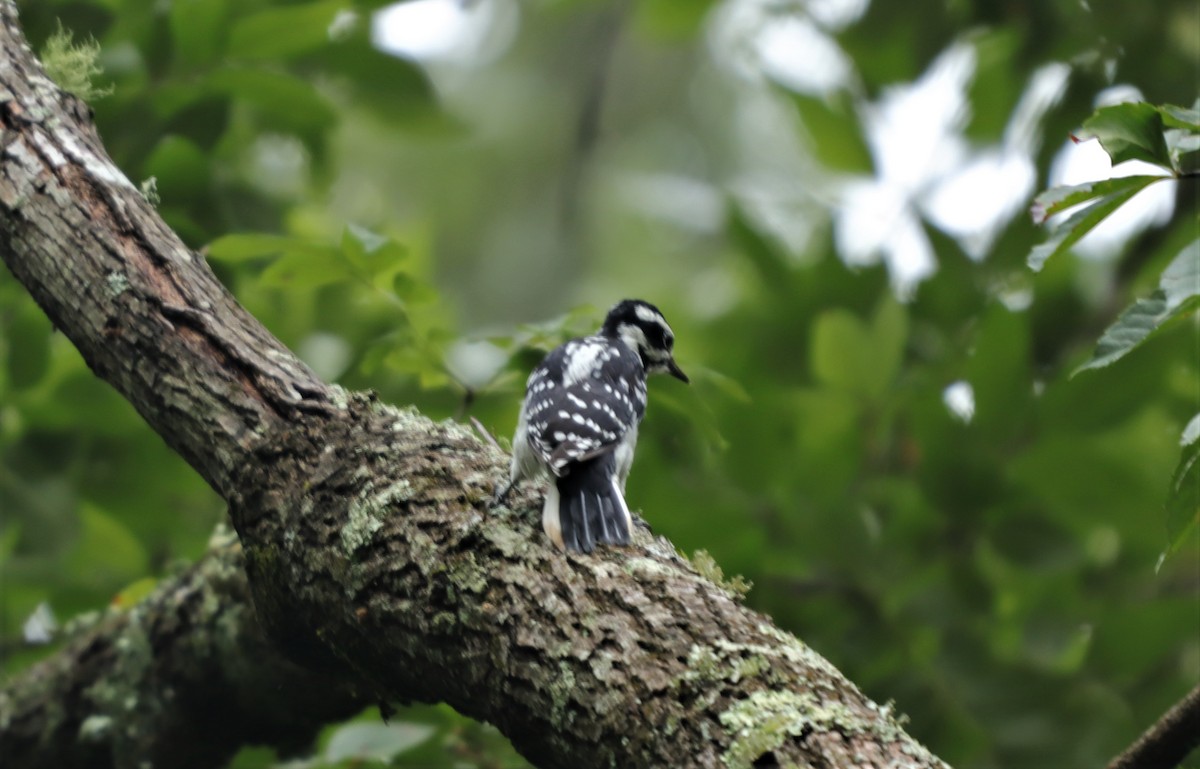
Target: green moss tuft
[
  {"x": 708, "y": 568},
  {"x": 149, "y": 190},
  {"x": 73, "y": 65}
]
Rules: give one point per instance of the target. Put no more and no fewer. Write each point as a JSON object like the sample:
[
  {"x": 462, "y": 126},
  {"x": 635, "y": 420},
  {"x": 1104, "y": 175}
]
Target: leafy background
[{"x": 1007, "y": 573}]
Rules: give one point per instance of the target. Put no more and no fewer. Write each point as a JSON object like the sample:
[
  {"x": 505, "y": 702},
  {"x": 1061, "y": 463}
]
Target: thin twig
[
  {"x": 483, "y": 432},
  {"x": 1168, "y": 741}
]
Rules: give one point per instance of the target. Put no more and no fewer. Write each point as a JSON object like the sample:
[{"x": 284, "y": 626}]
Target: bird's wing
[{"x": 580, "y": 403}]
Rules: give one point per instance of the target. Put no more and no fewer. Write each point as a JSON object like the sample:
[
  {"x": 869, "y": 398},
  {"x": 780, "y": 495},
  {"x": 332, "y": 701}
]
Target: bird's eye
[{"x": 669, "y": 341}]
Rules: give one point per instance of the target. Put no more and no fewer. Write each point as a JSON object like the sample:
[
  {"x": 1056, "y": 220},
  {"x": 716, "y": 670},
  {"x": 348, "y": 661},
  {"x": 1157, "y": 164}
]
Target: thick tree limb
[
  {"x": 369, "y": 548},
  {"x": 183, "y": 679}
]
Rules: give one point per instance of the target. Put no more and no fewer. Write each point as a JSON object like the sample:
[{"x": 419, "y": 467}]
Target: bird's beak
[{"x": 675, "y": 371}]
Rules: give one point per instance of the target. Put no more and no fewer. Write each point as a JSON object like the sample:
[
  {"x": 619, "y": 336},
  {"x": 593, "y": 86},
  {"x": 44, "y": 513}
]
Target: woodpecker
[{"x": 579, "y": 424}]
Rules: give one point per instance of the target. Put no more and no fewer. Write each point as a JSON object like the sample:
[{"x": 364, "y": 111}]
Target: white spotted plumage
[{"x": 579, "y": 424}]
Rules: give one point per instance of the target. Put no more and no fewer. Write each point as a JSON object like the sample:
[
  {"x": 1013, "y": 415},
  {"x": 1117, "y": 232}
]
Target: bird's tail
[{"x": 585, "y": 507}]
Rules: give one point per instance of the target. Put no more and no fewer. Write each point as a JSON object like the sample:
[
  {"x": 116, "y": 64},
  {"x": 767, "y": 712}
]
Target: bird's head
[{"x": 643, "y": 328}]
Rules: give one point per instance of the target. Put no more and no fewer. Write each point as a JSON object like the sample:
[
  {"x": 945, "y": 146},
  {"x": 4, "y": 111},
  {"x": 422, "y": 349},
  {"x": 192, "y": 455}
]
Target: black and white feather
[{"x": 579, "y": 424}]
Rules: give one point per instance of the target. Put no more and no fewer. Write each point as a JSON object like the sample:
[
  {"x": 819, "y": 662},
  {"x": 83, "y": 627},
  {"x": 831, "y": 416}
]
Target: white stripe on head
[
  {"x": 648, "y": 315},
  {"x": 656, "y": 354},
  {"x": 633, "y": 336}
]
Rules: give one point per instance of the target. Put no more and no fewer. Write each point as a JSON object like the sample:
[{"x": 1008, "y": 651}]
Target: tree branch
[
  {"x": 183, "y": 679},
  {"x": 1168, "y": 741},
  {"x": 370, "y": 551}
]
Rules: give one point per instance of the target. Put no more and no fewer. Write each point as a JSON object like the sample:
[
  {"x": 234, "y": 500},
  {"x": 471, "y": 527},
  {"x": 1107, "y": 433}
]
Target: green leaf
[
  {"x": 134, "y": 592},
  {"x": 194, "y": 111},
  {"x": 1058, "y": 199},
  {"x": 685, "y": 404},
  {"x": 1073, "y": 475},
  {"x": 764, "y": 254},
  {"x": 543, "y": 337},
  {"x": 1058, "y": 649},
  {"x": 374, "y": 742},
  {"x": 28, "y": 348},
  {"x": 1192, "y": 432},
  {"x": 1182, "y": 143},
  {"x": 377, "y": 258},
  {"x": 1183, "y": 134},
  {"x": 1134, "y": 326},
  {"x": 10, "y": 535},
  {"x": 260, "y": 757},
  {"x": 1079, "y": 224},
  {"x": 308, "y": 265},
  {"x": 828, "y": 450},
  {"x": 247, "y": 246},
  {"x": 849, "y": 355},
  {"x": 409, "y": 289},
  {"x": 1178, "y": 295},
  {"x": 889, "y": 335},
  {"x": 996, "y": 87},
  {"x": 837, "y": 133},
  {"x": 999, "y": 371},
  {"x": 198, "y": 30},
  {"x": 726, "y": 385},
  {"x": 284, "y": 32},
  {"x": 1181, "y": 117},
  {"x": 390, "y": 85},
  {"x": 181, "y": 170},
  {"x": 284, "y": 102},
  {"x": 421, "y": 360},
  {"x": 1181, "y": 280},
  {"x": 840, "y": 350},
  {"x": 362, "y": 241},
  {"x": 1183, "y": 500},
  {"x": 670, "y": 19},
  {"x": 107, "y": 552},
  {"x": 1129, "y": 132},
  {"x": 299, "y": 263}
]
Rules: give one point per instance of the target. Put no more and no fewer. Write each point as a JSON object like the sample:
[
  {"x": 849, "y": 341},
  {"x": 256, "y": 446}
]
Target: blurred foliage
[
  {"x": 900, "y": 462},
  {"x": 428, "y": 737}
]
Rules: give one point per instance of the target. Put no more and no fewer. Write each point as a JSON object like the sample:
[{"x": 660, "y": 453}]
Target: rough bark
[
  {"x": 182, "y": 679},
  {"x": 369, "y": 547},
  {"x": 1169, "y": 740}
]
